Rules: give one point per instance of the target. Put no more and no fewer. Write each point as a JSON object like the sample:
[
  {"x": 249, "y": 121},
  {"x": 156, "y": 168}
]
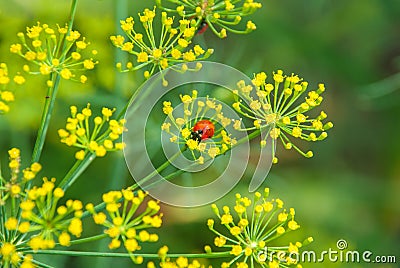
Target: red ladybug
[
  {"x": 202, "y": 130},
  {"x": 203, "y": 27}
]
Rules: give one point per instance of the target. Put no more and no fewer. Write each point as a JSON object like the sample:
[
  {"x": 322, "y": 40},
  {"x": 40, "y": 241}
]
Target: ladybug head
[{"x": 197, "y": 135}]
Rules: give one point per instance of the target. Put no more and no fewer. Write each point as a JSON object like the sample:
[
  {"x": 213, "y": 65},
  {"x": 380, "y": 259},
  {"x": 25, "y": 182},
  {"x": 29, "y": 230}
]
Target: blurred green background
[{"x": 348, "y": 190}]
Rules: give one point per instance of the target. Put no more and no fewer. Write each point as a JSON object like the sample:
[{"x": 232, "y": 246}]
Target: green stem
[
  {"x": 72, "y": 15},
  {"x": 88, "y": 239},
  {"x": 46, "y": 116},
  {"x": 251, "y": 136},
  {"x": 160, "y": 168},
  {"x": 14, "y": 207},
  {"x": 211, "y": 255},
  {"x": 76, "y": 242},
  {"x": 97, "y": 208},
  {"x": 136, "y": 95},
  {"x": 3, "y": 213},
  {"x": 77, "y": 169},
  {"x": 123, "y": 111},
  {"x": 41, "y": 265},
  {"x": 50, "y": 98}
]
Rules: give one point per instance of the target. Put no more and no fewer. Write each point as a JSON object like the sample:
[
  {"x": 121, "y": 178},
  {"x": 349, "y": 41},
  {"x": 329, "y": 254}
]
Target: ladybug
[
  {"x": 203, "y": 27},
  {"x": 202, "y": 130}
]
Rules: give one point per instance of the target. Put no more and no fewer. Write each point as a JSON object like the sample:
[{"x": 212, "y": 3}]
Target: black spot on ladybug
[{"x": 196, "y": 135}]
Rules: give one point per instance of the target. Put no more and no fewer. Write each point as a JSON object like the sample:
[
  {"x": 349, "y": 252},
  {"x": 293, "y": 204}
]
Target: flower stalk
[
  {"x": 51, "y": 96},
  {"x": 46, "y": 116}
]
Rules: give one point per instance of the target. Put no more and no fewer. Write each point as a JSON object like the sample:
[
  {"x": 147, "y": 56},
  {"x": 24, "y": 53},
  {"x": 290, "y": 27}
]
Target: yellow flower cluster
[
  {"x": 34, "y": 211},
  {"x": 220, "y": 15},
  {"x": 256, "y": 223},
  {"x": 10, "y": 257},
  {"x": 7, "y": 96},
  {"x": 278, "y": 106},
  {"x": 54, "y": 50},
  {"x": 13, "y": 193},
  {"x": 98, "y": 137},
  {"x": 181, "y": 128},
  {"x": 180, "y": 262},
  {"x": 170, "y": 48},
  {"x": 123, "y": 221},
  {"x": 41, "y": 213},
  {"x": 14, "y": 187}
]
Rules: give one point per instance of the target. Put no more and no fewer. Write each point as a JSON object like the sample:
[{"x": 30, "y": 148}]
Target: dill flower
[
  {"x": 31, "y": 217},
  {"x": 54, "y": 223},
  {"x": 54, "y": 50},
  {"x": 170, "y": 48},
  {"x": 279, "y": 105},
  {"x": 14, "y": 187},
  {"x": 13, "y": 193},
  {"x": 180, "y": 125},
  {"x": 7, "y": 96},
  {"x": 123, "y": 221},
  {"x": 11, "y": 257},
  {"x": 220, "y": 15},
  {"x": 98, "y": 136},
  {"x": 180, "y": 262},
  {"x": 251, "y": 229}
]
